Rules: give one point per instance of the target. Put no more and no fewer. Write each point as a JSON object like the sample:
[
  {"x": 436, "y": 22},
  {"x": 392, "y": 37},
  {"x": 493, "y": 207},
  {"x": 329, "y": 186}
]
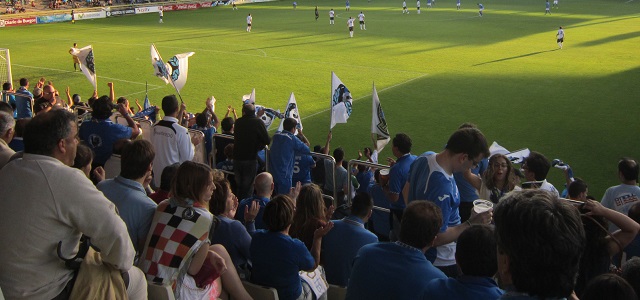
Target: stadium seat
[
  {"x": 200, "y": 155},
  {"x": 159, "y": 292},
  {"x": 145, "y": 126},
  {"x": 260, "y": 292},
  {"x": 336, "y": 292}
]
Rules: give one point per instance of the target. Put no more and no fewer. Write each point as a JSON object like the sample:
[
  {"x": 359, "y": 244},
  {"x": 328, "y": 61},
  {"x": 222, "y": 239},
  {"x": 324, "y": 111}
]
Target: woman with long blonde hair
[{"x": 496, "y": 181}]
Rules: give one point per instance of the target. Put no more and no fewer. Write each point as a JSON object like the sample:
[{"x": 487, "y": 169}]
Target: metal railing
[{"x": 370, "y": 165}]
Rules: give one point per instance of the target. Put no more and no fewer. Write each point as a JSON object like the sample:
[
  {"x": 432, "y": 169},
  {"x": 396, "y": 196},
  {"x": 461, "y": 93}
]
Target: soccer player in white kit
[
  {"x": 361, "y": 19},
  {"x": 560, "y": 37},
  {"x": 332, "y": 15},
  {"x": 161, "y": 14},
  {"x": 404, "y": 7},
  {"x": 418, "y": 5},
  {"x": 555, "y": 4},
  {"x": 249, "y": 20},
  {"x": 350, "y": 24}
]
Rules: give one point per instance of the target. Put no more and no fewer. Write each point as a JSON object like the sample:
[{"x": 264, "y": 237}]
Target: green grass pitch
[{"x": 433, "y": 70}]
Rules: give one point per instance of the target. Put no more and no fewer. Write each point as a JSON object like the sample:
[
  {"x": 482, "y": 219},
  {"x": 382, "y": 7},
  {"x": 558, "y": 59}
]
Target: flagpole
[
  {"x": 172, "y": 83},
  {"x": 94, "y": 69},
  {"x": 373, "y": 112},
  {"x": 331, "y": 102}
]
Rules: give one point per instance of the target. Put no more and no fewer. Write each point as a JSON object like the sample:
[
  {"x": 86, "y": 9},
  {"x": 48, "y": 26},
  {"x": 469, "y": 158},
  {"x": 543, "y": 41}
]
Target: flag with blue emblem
[
  {"x": 87, "y": 64},
  {"x": 341, "y": 101},
  {"x": 160, "y": 69},
  {"x": 178, "y": 68},
  {"x": 292, "y": 112},
  {"x": 267, "y": 115},
  {"x": 379, "y": 130}
]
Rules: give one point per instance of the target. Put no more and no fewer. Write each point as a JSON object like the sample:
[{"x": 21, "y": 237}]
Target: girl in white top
[{"x": 498, "y": 180}]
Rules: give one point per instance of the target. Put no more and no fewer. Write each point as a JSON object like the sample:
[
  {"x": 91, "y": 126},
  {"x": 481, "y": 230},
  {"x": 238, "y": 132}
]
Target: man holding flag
[
  {"x": 398, "y": 175},
  {"x": 284, "y": 147}
]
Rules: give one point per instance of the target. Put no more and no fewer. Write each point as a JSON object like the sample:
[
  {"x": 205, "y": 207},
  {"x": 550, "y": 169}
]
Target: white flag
[
  {"x": 249, "y": 98},
  {"x": 178, "y": 69},
  {"x": 87, "y": 65},
  {"x": 341, "y": 101},
  {"x": 159, "y": 67},
  {"x": 379, "y": 130},
  {"x": 292, "y": 112},
  {"x": 268, "y": 115},
  {"x": 495, "y": 148}
]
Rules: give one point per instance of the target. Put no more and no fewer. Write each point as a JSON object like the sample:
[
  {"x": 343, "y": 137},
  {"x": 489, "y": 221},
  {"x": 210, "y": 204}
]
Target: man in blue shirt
[
  {"x": 100, "y": 133},
  {"x": 302, "y": 165},
  {"x": 8, "y": 97},
  {"x": 547, "y": 9},
  {"x": 342, "y": 243},
  {"x": 24, "y": 106},
  {"x": 399, "y": 270},
  {"x": 284, "y": 147},
  {"x": 263, "y": 187},
  {"x": 379, "y": 219},
  {"x": 398, "y": 175},
  {"x": 477, "y": 258},
  {"x": 127, "y": 191},
  {"x": 431, "y": 178},
  {"x": 468, "y": 193}
]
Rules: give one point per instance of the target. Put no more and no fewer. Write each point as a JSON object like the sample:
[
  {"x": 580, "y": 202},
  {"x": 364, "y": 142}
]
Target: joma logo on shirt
[
  {"x": 166, "y": 134},
  {"x": 441, "y": 198}
]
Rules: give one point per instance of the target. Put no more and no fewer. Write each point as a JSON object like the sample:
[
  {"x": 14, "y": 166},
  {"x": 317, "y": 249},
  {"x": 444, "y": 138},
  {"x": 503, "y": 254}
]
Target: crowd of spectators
[{"x": 71, "y": 177}]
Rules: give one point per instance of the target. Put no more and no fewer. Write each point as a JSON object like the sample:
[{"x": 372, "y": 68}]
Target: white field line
[{"x": 80, "y": 73}]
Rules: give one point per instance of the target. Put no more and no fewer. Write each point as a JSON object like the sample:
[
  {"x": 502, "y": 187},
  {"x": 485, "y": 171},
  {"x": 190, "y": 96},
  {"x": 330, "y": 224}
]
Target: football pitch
[{"x": 433, "y": 71}]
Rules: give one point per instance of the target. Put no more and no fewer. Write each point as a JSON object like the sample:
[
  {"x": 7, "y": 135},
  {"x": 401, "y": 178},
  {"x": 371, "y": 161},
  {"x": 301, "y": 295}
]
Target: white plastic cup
[{"x": 481, "y": 205}]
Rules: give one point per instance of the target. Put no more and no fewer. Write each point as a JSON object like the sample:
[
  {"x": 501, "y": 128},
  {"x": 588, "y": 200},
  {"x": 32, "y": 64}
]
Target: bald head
[
  {"x": 48, "y": 92},
  {"x": 248, "y": 109},
  {"x": 264, "y": 184}
]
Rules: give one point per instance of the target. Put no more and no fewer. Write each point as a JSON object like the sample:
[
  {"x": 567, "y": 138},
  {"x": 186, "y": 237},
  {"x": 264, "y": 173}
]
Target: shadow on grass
[
  {"x": 603, "y": 22},
  {"x": 611, "y": 39},
  {"x": 515, "y": 57}
]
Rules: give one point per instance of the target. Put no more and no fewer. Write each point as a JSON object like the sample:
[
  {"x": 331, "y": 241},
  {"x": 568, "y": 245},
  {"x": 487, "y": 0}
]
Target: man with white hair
[
  {"x": 7, "y": 129},
  {"x": 50, "y": 207}
]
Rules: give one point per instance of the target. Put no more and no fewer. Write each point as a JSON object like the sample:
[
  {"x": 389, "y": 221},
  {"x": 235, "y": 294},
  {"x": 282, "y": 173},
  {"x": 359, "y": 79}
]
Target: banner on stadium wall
[
  {"x": 148, "y": 9},
  {"x": 121, "y": 12},
  {"x": 54, "y": 18},
  {"x": 90, "y": 15},
  {"x": 18, "y": 22},
  {"x": 185, "y": 6}
]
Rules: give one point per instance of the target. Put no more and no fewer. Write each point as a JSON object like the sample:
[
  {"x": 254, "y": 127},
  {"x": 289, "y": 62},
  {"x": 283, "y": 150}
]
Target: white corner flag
[
  {"x": 379, "y": 131},
  {"x": 249, "y": 98},
  {"x": 87, "y": 65},
  {"x": 159, "y": 67},
  {"x": 292, "y": 112},
  {"x": 179, "y": 65},
  {"x": 341, "y": 101}
]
